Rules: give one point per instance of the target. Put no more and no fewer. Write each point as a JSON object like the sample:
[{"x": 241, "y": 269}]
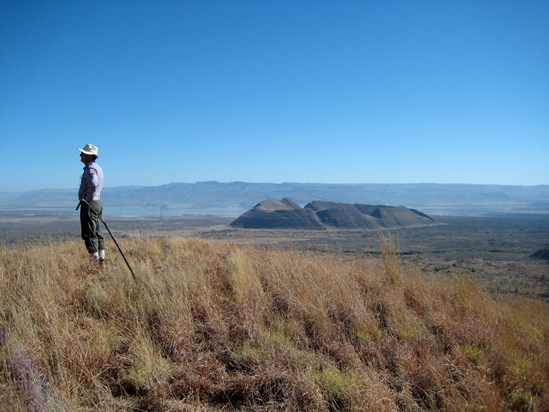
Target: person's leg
[
  {"x": 91, "y": 227},
  {"x": 97, "y": 207},
  {"x": 86, "y": 227}
]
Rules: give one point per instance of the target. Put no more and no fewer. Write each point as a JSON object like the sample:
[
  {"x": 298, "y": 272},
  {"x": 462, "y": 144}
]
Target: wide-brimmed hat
[{"x": 90, "y": 149}]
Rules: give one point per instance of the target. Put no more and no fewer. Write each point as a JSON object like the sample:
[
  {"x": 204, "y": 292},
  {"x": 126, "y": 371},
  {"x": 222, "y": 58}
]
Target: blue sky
[{"x": 273, "y": 91}]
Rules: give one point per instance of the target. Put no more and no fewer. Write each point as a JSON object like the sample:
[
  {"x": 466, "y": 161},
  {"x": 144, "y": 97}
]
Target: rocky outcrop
[{"x": 287, "y": 214}]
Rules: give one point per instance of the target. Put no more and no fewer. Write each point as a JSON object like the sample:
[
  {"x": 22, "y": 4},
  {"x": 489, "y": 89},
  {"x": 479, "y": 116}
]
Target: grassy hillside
[{"x": 211, "y": 326}]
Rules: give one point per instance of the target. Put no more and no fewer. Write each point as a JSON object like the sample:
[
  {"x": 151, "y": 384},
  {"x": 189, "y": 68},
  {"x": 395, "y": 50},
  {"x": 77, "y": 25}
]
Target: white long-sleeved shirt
[{"x": 91, "y": 182}]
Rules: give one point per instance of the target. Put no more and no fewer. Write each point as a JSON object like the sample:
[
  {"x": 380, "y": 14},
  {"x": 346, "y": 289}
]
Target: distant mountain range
[{"x": 235, "y": 198}]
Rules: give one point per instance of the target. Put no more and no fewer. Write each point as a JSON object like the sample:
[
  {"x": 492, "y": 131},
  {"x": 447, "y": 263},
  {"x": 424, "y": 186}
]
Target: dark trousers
[{"x": 91, "y": 225}]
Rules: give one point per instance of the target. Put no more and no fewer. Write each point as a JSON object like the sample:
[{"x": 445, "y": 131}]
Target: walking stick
[{"x": 114, "y": 240}]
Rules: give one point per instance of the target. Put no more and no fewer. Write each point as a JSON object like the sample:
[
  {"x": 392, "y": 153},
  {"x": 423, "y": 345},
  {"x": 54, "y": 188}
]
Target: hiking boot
[{"x": 102, "y": 255}]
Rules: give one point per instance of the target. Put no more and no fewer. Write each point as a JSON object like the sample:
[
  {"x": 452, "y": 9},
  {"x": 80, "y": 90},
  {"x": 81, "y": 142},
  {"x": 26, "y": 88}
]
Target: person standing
[{"x": 91, "y": 206}]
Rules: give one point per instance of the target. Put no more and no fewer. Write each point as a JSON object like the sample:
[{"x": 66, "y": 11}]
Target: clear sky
[{"x": 274, "y": 91}]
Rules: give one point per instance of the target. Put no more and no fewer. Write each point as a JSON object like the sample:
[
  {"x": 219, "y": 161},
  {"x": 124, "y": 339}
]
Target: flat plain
[{"x": 495, "y": 250}]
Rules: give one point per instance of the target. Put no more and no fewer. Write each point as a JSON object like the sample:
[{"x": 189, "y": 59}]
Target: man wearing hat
[{"x": 91, "y": 207}]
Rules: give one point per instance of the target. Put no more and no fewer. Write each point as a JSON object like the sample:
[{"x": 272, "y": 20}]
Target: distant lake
[{"x": 121, "y": 211}]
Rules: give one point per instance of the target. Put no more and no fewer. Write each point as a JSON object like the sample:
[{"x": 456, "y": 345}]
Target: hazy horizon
[
  {"x": 273, "y": 183},
  {"x": 446, "y": 92}
]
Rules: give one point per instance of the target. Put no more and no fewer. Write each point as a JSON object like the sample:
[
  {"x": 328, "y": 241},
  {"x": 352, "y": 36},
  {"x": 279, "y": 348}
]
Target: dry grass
[{"x": 218, "y": 327}]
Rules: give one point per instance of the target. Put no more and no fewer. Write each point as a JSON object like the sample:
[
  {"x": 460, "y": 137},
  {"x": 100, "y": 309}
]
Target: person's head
[{"x": 89, "y": 153}]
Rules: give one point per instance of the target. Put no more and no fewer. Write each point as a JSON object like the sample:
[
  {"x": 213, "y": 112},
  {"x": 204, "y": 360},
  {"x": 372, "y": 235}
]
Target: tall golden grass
[{"x": 212, "y": 326}]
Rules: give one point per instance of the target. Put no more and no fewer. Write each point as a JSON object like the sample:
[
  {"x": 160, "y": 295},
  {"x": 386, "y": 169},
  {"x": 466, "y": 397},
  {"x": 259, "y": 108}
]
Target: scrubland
[{"x": 212, "y": 326}]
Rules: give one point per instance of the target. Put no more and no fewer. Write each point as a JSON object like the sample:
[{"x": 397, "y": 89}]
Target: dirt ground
[{"x": 495, "y": 250}]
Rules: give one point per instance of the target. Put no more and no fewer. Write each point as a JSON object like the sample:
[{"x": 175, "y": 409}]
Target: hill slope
[
  {"x": 213, "y": 327},
  {"x": 287, "y": 214},
  {"x": 280, "y": 214}
]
